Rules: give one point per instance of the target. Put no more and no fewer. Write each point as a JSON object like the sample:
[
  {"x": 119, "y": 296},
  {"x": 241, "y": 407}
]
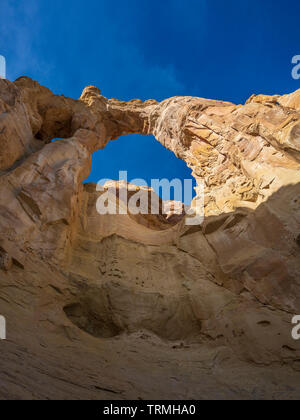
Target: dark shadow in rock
[{"x": 89, "y": 321}]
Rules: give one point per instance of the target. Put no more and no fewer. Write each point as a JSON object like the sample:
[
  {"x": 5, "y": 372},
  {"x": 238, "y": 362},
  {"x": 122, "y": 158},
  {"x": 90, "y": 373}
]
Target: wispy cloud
[
  {"x": 41, "y": 41},
  {"x": 20, "y": 26}
]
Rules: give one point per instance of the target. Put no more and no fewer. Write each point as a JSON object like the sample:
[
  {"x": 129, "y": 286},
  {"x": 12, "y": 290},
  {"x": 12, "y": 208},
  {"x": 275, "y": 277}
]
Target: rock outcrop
[{"x": 144, "y": 306}]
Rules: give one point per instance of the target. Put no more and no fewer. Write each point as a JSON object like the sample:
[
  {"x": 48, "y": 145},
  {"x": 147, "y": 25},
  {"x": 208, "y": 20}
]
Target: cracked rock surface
[{"x": 143, "y": 306}]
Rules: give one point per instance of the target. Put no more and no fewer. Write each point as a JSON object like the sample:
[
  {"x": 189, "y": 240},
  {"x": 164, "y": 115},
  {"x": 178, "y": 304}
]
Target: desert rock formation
[{"x": 144, "y": 306}]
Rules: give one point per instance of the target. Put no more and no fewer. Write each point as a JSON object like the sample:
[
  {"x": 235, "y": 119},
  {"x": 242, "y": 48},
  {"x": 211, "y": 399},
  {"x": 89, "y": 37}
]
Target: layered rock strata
[{"x": 145, "y": 306}]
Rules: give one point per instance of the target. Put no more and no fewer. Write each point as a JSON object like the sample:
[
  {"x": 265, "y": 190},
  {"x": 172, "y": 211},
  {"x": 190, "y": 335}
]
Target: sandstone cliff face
[{"x": 140, "y": 306}]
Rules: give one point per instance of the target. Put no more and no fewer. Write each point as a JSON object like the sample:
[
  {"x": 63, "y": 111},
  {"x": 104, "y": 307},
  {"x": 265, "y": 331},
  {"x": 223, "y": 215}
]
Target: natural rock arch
[{"x": 221, "y": 293}]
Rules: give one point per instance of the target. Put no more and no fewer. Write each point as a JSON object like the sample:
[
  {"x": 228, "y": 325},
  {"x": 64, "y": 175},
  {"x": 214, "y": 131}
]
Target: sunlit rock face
[{"x": 138, "y": 305}]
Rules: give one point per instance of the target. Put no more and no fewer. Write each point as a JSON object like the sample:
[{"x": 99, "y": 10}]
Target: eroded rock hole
[
  {"x": 57, "y": 123},
  {"x": 144, "y": 159},
  {"x": 90, "y": 321}
]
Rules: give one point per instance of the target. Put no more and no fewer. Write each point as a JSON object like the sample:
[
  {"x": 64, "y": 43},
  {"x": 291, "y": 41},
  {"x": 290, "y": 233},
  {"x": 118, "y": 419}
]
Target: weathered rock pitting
[{"x": 96, "y": 303}]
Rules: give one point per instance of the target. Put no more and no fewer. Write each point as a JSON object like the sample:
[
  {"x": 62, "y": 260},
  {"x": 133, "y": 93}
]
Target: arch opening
[{"x": 143, "y": 160}]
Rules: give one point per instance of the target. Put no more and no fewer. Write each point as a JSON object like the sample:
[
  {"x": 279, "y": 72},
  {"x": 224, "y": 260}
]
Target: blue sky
[{"x": 152, "y": 49}]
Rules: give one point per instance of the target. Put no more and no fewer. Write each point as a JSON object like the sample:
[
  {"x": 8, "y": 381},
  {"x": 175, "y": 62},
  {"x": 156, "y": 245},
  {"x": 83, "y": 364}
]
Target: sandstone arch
[{"x": 221, "y": 294}]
